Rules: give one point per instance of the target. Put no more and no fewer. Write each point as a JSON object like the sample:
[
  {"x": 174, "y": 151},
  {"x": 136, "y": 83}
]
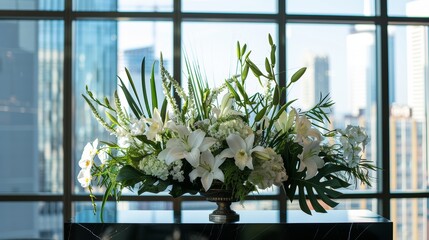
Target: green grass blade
[{"x": 143, "y": 81}]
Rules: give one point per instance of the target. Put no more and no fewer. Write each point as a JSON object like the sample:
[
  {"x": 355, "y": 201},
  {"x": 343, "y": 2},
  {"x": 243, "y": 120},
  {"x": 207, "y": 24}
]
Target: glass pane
[
  {"x": 237, "y": 6},
  {"x": 340, "y": 61},
  {"x": 47, "y": 5},
  {"x": 219, "y": 61},
  {"x": 83, "y": 211},
  {"x": 410, "y": 218},
  {"x": 331, "y": 7},
  {"x": 124, "y": 5},
  {"x": 343, "y": 204},
  {"x": 101, "y": 52},
  {"x": 408, "y": 51},
  {"x": 31, "y": 220},
  {"x": 31, "y": 106},
  {"x": 414, "y": 8}
]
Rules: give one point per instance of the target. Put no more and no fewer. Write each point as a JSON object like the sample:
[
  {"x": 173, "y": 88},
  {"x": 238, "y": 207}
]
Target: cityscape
[{"x": 31, "y": 111}]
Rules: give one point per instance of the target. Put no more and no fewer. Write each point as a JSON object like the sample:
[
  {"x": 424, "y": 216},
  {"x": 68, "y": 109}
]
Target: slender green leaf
[
  {"x": 245, "y": 72},
  {"x": 238, "y": 50},
  {"x": 153, "y": 88},
  {"x": 270, "y": 39},
  {"x": 130, "y": 79},
  {"x": 260, "y": 114},
  {"x": 143, "y": 82}
]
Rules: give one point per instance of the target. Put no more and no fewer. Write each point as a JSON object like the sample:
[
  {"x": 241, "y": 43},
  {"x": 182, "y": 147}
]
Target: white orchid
[
  {"x": 103, "y": 154},
  {"x": 310, "y": 159},
  {"x": 304, "y": 131},
  {"x": 87, "y": 159},
  {"x": 188, "y": 145},
  {"x": 208, "y": 169},
  {"x": 156, "y": 126},
  {"x": 84, "y": 177},
  {"x": 241, "y": 150}
]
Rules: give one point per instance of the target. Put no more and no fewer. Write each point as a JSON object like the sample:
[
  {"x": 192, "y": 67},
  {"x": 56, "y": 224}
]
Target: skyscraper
[{"x": 316, "y": 84}]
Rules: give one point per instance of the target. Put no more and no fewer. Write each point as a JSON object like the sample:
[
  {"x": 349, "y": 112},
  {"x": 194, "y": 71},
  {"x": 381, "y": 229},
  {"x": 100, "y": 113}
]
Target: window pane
[
  {"x": 124, "y": 5},
  {"x": 236, "y": 6},
  {"x": 408, "y": 51},
  {"x": 415, "y": 8},
  {"x": 101, "y": 51},
  {"x": 410, "y": 218},
  {"x": 328, "y": 7},
  {"x": 343, "y": 204},
  {"x": 83, "y": 211},
  {"x": 340, "y": 60},
  {"x": 31, "y": 106},
  {"x": 31, "y": 220},
  {"x": 47, "y": 5},
  {"x": 213, "y": 47}
]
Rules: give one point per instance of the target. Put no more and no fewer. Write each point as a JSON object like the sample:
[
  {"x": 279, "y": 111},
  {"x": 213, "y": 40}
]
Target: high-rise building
[
  {"x": 316, "y": 84},
  {"x": 417, "y": 61},
  {"x": 408, "y": 171}
]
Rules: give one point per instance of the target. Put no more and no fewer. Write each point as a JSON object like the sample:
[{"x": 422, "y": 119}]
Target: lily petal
[
  {"x": 236, "y": 143},
  {"x": 193, "y": 157}
]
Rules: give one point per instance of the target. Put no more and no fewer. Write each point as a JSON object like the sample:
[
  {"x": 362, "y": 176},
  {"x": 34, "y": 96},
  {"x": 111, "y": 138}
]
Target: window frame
[{"x": 381, "y": 20}]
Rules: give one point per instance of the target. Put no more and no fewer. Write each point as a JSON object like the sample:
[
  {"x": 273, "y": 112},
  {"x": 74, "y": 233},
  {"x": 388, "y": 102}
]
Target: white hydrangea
[
  {"x": 150, "y": 165},
  {"x": 268, "y": 169},
  {"x": 237, "y": 126},
  {"x": 176, "y": 171}
]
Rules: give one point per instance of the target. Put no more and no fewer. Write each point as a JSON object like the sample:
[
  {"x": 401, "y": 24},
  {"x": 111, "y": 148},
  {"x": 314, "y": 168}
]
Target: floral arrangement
[{"x": 201, "y": 136}]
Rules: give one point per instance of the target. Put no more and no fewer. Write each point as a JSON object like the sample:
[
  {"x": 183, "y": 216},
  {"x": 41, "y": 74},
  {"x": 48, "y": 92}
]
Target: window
[{"x": 371, "y": 56}]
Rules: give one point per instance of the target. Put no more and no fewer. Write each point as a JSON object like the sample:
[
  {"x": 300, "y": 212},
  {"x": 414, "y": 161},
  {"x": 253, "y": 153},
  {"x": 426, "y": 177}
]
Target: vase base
[{"x": 224, "y": 218}]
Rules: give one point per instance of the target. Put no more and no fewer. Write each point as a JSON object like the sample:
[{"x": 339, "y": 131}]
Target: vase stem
[{"x": 224, "y": 213}]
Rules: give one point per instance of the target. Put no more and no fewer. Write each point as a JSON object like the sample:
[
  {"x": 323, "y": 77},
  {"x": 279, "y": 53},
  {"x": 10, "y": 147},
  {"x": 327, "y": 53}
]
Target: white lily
[
  {"x": 189, "y": 145},
  {"x": 285, "y": 121},
  {"x": 156, "y": 126},
  {"x": 208, "y": 169},
  {"x": 241, "y": 150},
  {"x": 87, "y": 159},
  {"x": 304, "y": 130},
  {"x": 226, "y": 107},
  {"x": 310, "y": 159},
  {"x": 138, "y": 127},
  {"x": 84, "y": 177}
]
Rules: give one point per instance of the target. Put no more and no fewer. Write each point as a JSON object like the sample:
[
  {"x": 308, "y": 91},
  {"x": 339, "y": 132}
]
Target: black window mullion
[
  {"x": 67, "y": 113},
  {"x": 383, "y": 154}
]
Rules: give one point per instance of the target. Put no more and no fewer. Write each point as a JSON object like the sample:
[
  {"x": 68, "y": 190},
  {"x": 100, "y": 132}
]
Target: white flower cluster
[
  {"x": 269, "y": 169},
  {"x": 150, "y": 165},
  {"x": 353, "y": 139}
]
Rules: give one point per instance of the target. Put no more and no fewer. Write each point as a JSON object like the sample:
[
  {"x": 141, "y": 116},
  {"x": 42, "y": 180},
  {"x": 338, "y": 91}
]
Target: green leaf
[
  {"x": 302, "y": 200},
  {"x": 130, "y": 79},
  {"x": 260, "y": 114},
  {"x": 316, "y": 205},
  {"x": 112, "y": 118},
  {"x": 153, "y": 88},
  {"x": 129, "y": 176},
  {"x": 298, "y": 74},
  {"x": 131, "y": 102},
  {"x": 143, "y": 82}
]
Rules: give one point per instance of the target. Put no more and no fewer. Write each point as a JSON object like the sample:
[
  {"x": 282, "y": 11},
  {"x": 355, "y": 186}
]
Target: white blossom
[
  {"x": 241, "y": 150},
  {"x": 310, "y": 159},
  {"x": 208, "y": 169}
]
